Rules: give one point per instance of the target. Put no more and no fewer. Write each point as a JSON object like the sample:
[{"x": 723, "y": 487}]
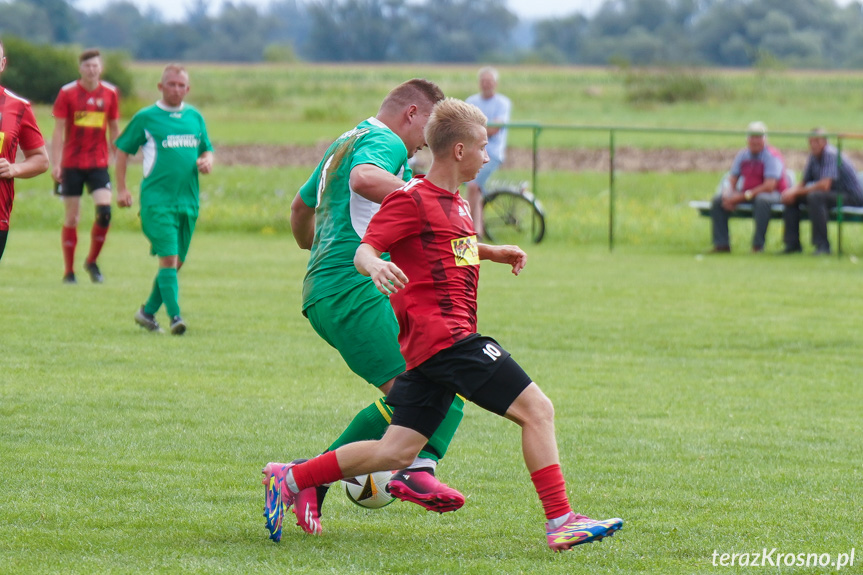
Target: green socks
[
  {"x": 372, "y": 422},
  {"x": 154, "y": 302},
  {"x": 439, "y": 442},
  {"x": 168, "y": 293}
]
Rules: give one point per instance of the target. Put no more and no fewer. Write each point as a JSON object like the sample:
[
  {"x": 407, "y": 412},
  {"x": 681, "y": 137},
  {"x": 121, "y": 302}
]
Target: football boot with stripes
[{"x": 578, "y": 529}]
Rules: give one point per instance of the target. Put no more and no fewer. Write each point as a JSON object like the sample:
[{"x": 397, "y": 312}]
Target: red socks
[
  {"x": 320, "y": 470},
  {"x": 69, "y": 238},
  {"x": 97, "y": 240},
  {"x": 551, "y": 489}
]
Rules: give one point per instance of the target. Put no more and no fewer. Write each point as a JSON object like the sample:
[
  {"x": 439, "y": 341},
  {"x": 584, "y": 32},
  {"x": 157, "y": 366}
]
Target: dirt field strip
[{"x": 627, "y": 159}]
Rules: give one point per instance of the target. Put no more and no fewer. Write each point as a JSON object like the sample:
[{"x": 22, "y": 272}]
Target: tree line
[{"x": 739, "y": 33}]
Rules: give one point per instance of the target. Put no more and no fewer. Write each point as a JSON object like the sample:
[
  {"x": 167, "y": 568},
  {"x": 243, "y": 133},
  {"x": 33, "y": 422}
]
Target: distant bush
[
  {"x": 37, "y": 72},
  {"x": 117, "y": 72},
  {"x": 280, "y": 53},
  {"x": 665, "y": 86},
  {"x": 131, "y": 104}
]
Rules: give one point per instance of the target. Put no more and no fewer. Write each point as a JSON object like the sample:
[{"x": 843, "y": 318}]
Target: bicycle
[{"x": 511, "y": 214}]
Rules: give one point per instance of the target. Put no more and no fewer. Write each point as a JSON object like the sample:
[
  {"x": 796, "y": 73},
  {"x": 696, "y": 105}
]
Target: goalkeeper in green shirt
[{"x": 176, "y": 148}]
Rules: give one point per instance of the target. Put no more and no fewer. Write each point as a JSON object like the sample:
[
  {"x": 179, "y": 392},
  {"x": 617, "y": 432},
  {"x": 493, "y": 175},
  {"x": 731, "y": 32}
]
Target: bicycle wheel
[{"x": 512, "y": 217}]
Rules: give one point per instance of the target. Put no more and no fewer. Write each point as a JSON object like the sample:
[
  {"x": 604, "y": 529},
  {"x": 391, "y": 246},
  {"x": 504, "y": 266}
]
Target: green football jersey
[
  {"x": 172, "y": 140},
  {"x": 341, "y": 215}
]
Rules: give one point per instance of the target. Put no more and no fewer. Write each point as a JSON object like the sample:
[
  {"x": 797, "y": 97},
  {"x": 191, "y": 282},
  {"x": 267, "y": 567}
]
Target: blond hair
[{"x": 452, "y": 121}]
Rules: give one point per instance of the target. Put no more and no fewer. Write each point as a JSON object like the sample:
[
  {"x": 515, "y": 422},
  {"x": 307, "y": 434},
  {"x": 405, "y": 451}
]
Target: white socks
[{"x": 423, "y": 463}]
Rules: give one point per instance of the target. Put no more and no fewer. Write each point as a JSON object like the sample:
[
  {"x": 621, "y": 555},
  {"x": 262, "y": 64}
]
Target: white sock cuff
[
  {"x": 290, "y": 483},
  {"x": 423, "y": 462}
]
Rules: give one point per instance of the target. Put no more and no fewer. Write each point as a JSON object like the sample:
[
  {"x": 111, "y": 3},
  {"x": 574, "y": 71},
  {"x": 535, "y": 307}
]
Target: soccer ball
[{"x": 370, "y": 491}]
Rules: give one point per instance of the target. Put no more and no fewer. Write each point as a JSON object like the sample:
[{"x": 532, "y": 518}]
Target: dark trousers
[
  {"x": 762, "y": 206},
  {"x": 819, "y": 205}
]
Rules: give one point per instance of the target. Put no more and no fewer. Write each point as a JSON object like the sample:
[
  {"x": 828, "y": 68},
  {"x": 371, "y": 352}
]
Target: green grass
[
  {"x": 304, "y": 103},
  {"x": 714, "y": 403}
]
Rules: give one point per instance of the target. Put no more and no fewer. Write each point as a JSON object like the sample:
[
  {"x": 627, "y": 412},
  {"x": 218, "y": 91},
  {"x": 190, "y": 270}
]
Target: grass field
[{"x": 713, "y": 403}]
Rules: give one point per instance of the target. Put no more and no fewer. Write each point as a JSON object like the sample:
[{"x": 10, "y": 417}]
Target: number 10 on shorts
[{"x": 492, "y": 351}]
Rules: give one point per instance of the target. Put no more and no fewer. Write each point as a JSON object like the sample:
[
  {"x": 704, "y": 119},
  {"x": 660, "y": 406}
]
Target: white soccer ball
[{"x": 370, "y": 491}]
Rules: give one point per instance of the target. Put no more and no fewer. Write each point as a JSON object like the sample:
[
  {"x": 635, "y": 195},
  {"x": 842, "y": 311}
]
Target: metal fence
[{"x": 537, "y": 129}]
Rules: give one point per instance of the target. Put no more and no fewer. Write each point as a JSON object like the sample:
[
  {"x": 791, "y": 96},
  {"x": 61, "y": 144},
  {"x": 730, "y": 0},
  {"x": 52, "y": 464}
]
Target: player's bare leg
[
  {"x": 395, "y": 450},
  {"x": 534, "y": 412},
  {"x": 416, "y": 483}
]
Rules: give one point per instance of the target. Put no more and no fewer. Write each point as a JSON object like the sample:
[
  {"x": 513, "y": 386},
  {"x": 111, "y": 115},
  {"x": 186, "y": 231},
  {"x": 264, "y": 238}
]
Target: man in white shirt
[{"x": 496, "y": 108}]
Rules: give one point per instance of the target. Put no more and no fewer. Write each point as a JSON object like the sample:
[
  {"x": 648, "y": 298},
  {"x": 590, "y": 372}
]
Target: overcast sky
[{"x": 176, "y": 9}]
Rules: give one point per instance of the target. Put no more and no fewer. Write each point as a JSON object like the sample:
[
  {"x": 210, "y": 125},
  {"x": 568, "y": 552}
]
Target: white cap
[{"x": 756, "y": 129}]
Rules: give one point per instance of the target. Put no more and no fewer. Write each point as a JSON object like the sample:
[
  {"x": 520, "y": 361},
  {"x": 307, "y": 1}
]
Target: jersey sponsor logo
[
  {"x": 466, "y": 251},
  {"x": 89, "y": 119},
  {"x": 2, "y": 139},
  {"x": 181, "y": 141}
]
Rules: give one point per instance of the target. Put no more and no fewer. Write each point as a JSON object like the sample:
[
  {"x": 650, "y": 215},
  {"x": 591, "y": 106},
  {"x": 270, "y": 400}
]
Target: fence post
[
  {"x": 838, "y": 199},
  {"x": 536, "y": 130},
  {"x": 611, "y": 190}
]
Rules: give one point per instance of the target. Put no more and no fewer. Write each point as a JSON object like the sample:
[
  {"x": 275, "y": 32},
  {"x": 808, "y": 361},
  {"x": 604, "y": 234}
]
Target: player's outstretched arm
[
  {"x": 512, "y": 255},
  {"x": 387, "y": 276}
]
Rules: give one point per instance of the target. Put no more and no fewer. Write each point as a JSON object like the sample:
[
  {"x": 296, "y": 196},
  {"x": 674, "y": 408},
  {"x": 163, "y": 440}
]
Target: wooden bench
[{"x": 846, "y": 214}]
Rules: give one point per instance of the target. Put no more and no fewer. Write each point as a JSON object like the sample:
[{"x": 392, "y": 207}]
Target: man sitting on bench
[
  {"x": 762, "y": 170},
  {"x": 825, "y": 179}
]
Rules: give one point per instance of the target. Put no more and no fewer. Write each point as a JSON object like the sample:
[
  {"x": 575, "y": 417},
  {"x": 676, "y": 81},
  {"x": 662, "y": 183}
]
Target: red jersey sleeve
[
  {"x": 114, "y": 108},
  {"x": 29, "y": 138},
  {"x": 397, "y": 219},
  {"x": 60, "y": 106}
]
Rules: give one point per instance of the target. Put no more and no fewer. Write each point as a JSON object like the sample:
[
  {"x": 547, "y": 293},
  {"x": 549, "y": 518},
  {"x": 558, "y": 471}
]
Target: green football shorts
[
  {"x": 169, "y": 229},
  {"x": 360, "y": 323}
]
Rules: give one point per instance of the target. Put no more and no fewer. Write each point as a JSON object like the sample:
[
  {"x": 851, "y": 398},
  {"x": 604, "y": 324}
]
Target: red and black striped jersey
[
  {"x": 87, "y": 114},
  {"x": 429, "y": 235}
]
